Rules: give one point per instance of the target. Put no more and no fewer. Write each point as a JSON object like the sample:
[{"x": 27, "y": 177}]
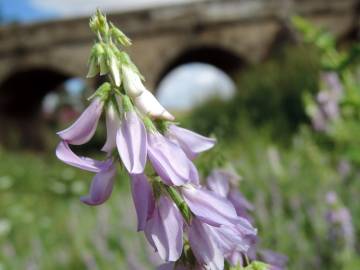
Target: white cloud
[{"x": 70, "y": 8}]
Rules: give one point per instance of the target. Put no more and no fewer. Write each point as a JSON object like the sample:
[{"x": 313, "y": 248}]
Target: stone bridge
[{"x": 229, "y": 34}]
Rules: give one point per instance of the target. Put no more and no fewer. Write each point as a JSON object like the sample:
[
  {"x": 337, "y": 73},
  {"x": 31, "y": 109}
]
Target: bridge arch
[
  {"x": 22, "y": 93},
  {"x": 222, "y": 58}
]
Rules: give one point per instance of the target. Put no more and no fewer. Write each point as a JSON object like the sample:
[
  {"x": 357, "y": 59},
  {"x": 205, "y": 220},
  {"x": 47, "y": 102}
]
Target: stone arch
[
  {"x": 21, "y": 94},
  {"x": 222, "y": 58}
]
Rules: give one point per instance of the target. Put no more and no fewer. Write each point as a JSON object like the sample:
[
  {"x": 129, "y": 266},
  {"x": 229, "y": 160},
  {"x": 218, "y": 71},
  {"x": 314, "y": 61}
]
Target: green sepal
[
  {"x": 125, "y": 59},
  {"x": 180, "y": 203},
  {"x": 102, "y": 92},
  {"x": 255, "y": 265},
  {"x": 149, "y": 125},
  {"x": 127, "y": 104}
]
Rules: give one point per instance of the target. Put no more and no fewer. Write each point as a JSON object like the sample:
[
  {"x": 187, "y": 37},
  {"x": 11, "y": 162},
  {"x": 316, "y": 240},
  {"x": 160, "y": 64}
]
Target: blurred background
[{"x": 276, "y": 81}]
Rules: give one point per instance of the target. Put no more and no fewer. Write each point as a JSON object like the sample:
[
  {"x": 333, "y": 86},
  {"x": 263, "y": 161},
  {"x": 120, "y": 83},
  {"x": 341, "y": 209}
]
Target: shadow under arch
[
  {"x": 21, "y": 96},
  {"x": 222, "y": 58}
]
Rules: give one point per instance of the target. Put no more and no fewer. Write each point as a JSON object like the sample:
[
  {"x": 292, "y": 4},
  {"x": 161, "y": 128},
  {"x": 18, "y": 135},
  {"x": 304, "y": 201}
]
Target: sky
[{"x": 38, "y": 10}]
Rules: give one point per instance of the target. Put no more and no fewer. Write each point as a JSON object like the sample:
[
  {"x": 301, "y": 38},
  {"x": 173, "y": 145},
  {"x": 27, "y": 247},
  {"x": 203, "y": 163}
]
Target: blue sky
[
  {"x": 36, "y": 10},
  {"x": 23, "y": 11}
]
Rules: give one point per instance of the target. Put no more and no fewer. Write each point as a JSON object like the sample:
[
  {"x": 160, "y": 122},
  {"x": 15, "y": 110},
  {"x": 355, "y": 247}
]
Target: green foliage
[{"x": 267, "y": 93}]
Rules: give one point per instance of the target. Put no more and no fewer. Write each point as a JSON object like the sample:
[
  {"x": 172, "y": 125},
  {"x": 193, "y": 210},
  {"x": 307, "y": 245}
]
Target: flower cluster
[
  {"x": 340, "y": 227},
  {"x": 327, "y": 101},
  {"x": 225, "y": 182},
  {"x": 188, "y": 225}
]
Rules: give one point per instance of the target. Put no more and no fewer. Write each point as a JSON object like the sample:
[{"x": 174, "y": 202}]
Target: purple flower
[
  {"x": 112, "y": 126},
  {"x": 164, "y": 230},
  {"x": 204, "y": 248},
  {"x": 219, "y": 181},
  {"x": 64, "y": 153},
  {"x": 143, "y": 199},
  {"x": 191, "y": 142},
  {"x": 101, "y": 186},
  {"x": 131, "y": 141},
  {"x": 170, "y": 162},
  {"x": 84, "y": 127},
  {"x": 210, "y": 207},
  {"x": 341, "y": 229}
]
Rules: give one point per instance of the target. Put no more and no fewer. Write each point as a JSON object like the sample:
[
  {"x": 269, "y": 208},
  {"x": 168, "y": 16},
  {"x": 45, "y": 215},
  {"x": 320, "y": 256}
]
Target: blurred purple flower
[
  {"x": 101, "y": 186},
  {"x": 219, "y": 181},
  {"x": 143, "y": 199},
  {"x": 164, "y": 230},
  {"x": 131, "y": 141},
  {"x": 83, "y": 129},
  {"x": 170, "y": 162},
  {"x": 341, "y": 229},
  {"x": 64, "y": 153},
  {"x": 328, "y": 101},
  {"x": 190, "y": 142}
]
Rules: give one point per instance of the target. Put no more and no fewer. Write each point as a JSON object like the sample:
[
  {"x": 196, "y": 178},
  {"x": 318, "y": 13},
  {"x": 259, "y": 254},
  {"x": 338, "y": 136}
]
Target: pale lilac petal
[
  {"x": 203, "y": 247},
  {"x": 84, "y": 127},
  {"x": 241, "y": 204},
  {"x": 112, "y": 126},
  {"x": 64, "y": 153},
  {"x": 218, "y": 182},
  {"x": 170, "y": 162},
  {"x": 191, "y": 142},
  {"x": 101, "y": 187},
  {"x": 165, "y": 229},
  {"x": 210, "y": 207},
  {"x": 231, "y": 238},
  {"x": 131, "y": 142},
  {"x": 143, "y": 199}
]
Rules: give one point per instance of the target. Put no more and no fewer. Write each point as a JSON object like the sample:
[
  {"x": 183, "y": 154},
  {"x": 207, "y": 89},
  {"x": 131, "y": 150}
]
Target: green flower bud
[{"x": 119, "y": 36}]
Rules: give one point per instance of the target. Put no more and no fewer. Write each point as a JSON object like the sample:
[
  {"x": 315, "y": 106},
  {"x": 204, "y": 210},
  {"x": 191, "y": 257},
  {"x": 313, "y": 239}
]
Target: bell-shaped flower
[
  {"x": 150, "y": 106},
  {"x": 112, "y": 126},
  {"x": 170, "y": 162},
  {"x": 218, "y": 183},
  {"x": 143, "y": 199},
  {"x": 204, "y": 248},
  {"x": 131, "y": 141},
  {"x": 191, "y": 142},
  {"x": 164, "y": 230},
  {"x": 83, "y": 129},
  {"x": 101, "y": 186},
  {"x": 132, "y": 82},
  {"x": 232, "y": 239},
  {"x": 66, "y": 155},
  {"x": 210, "y": 207}
]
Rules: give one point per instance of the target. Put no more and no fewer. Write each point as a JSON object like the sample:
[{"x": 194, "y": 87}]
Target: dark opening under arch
[
  {"x": 224, "y": 59},
  {"x": 21, "y": 96}
]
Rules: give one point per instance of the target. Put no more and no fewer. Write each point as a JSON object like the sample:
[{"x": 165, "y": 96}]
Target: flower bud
[
  {"x": 96, "y": 52},
  {"x": 119, "y": 36},
  {"x": 149, "y": 105},
  {"x": 132, "y": 82},
  {"x": 113, "y": 64}
]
